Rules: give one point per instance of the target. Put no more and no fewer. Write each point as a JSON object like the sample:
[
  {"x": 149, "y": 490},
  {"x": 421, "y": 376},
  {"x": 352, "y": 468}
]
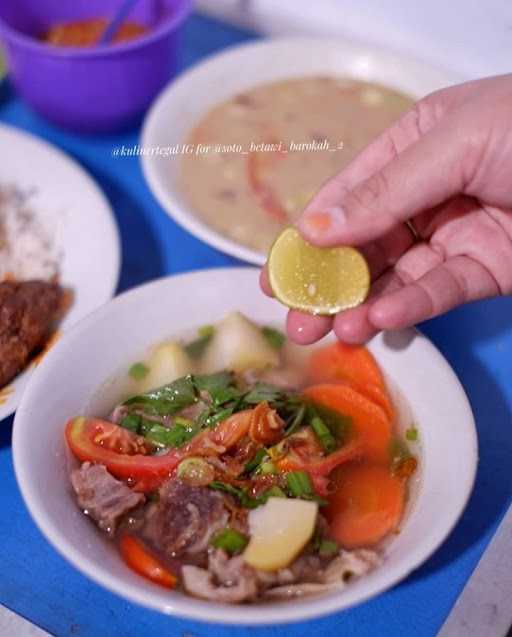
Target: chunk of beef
[
  {"x": 27, "y": 310},
  {"x": 227, "y": 580},
  {"x": 102, "y": 497},
  {"x": 185, "y": 518}
]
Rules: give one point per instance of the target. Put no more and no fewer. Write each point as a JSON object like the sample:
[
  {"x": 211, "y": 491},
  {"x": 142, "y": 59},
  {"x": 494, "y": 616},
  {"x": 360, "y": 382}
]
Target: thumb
[{"x": 423, "y": 175}]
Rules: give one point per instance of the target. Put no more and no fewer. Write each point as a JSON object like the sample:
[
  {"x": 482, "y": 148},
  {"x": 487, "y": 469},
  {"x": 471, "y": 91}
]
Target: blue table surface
[{"x": 477, "y": 341}]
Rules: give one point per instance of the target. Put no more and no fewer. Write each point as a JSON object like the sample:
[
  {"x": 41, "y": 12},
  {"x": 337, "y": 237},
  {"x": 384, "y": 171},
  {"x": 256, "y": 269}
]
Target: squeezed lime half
[{"x": 316, "y": 280}]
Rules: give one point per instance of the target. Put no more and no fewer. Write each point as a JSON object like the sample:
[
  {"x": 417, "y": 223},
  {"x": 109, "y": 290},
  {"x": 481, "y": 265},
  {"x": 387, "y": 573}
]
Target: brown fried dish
[{"x": 27, "y": 311}]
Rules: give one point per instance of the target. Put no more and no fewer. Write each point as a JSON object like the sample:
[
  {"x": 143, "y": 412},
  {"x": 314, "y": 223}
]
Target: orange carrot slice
[
  {"x": 367, "y": 505},
  {"x": 371, "y": 423},
  {"x": 137, "y": 558},
  {"x": 352, "y": 364}
]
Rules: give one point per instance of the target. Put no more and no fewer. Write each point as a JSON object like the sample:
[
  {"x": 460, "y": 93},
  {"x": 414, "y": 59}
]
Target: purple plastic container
[{"x": 96, "y": 89}]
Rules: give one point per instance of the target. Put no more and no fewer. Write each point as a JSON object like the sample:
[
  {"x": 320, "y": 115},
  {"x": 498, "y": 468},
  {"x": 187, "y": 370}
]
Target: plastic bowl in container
[{"x": 90, "y": 89}]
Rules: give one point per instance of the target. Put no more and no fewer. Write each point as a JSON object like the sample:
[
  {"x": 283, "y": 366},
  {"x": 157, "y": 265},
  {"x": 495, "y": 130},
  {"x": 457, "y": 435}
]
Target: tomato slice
[
  {"x": 257, "y": 163},
  {"x": 137, "y": 558},
  {"x": 123, "y": 453},
  {"x": 322, "y": 466}
]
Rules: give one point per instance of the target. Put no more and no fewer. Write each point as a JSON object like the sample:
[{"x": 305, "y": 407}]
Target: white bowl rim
[
  {"x": 186, "y": 607},
  {"x": 185, "y": 215}
]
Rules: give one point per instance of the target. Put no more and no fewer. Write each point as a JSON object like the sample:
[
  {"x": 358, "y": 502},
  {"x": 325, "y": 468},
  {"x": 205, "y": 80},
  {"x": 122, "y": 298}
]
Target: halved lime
[{"x": 316, "y": 280}]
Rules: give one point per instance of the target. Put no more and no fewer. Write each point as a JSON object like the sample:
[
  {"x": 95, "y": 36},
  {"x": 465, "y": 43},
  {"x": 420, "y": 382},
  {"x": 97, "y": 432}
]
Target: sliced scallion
[
  {"x": 138, "y": 371},
  {"x": 299, "y": 483},
  {"x": 323, "y": 434},
  {"x": 230, "y": 541}
]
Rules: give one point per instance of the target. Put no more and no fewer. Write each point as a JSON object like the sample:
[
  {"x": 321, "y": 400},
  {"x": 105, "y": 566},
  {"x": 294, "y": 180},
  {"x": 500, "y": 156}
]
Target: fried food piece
[{"x": 27, "y": 310}]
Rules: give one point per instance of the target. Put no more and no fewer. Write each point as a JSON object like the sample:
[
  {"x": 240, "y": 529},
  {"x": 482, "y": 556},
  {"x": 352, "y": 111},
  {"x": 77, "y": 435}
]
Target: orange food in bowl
[{"x": 88, "y": 32}]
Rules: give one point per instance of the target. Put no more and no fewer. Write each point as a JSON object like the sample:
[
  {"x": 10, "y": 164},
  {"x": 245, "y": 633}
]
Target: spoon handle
[{"x": 114, "y": 24}]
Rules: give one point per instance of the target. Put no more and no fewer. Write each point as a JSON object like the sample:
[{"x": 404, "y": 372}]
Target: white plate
[
  {"x": 104, "y": 344},
  {"x": 87, "y": 233},
  {"x": 184, "y": 102}
]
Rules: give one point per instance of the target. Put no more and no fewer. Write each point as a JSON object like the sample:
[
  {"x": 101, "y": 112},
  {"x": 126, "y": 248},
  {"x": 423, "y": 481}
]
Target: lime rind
[{"x": 316, "y": 280}]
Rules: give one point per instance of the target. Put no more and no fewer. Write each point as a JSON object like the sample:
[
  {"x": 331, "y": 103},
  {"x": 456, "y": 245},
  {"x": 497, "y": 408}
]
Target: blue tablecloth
[{"x": 477, "y": 341}]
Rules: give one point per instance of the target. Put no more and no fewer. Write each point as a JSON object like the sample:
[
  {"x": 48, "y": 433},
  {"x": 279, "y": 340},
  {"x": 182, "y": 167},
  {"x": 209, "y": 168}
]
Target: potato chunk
[
  {"x": 238, "y": 345},
  {"x": 168, "y": 362},
  {"x": 279, "y": 530}
]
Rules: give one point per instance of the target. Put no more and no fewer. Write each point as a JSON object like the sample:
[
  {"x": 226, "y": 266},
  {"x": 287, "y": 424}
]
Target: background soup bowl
[
  {"x": 104, "y": 344},
  {"x": 184, "y": 102},
  {"x": 96, "y": 88}
]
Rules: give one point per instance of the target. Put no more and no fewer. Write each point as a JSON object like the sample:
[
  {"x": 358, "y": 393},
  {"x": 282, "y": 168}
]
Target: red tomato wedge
[
  {"x": 366, "y": 506},
  {"x": 371, "y": 423},
  {"x": 257, "y": 164},
  {"x": 142, "y": 562},
  {"x": 354, "y": 365},
  {"x": 123, "y": 453},
  {"x": 320, "y": 468}
]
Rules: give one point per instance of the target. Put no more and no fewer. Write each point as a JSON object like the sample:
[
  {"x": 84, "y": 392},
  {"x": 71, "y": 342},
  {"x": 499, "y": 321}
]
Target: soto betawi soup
[
  {"x": 241, "y": 468},
  {"x": 259, "y": 157}
]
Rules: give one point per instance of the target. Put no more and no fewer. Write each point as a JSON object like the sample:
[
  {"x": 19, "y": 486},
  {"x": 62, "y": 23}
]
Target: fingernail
[{"x": 319, "y": 223}]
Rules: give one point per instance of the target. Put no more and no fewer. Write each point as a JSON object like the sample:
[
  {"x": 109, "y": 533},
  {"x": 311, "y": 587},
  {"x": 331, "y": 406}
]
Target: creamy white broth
[{"x": 278, "y": 144}]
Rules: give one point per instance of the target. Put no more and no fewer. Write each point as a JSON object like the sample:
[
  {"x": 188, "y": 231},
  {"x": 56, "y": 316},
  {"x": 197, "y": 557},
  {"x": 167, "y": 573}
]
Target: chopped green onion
[
  {"x": 327, "y": 548},
  {"x": 184, "y": 422},
  {"x": 227, "y": 488},
  {"x": 338, "y": 424},
  {"x": 247, "y": 501},
  {"x": 274, "y": 492},
  {"x": 325, "y": 438},
  {"x": 206, "y": 330},
  {"x": 275, "y": 338},
  {"x": 399, "y": 452},
  {"x": 190, "y": 463},
  {"x": 131, "y": 422},
  {"x": 255, "y": 462},
  {"x": 299, "y": 483},
  {"x": 411, "y": 434},
  {"x": 196, "y": 471},
  {"x": 230, "y": 541},
  {"x": 296, "y": 421},
  {"x": 138, "y": 371},
  {"x": 267, "y": 468}
]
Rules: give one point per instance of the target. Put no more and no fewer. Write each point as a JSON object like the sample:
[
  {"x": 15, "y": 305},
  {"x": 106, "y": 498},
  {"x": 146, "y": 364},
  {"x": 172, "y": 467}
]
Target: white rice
[{"x": 27, "y": 247}]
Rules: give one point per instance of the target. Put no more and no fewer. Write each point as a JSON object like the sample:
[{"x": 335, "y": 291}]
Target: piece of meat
[
  {"x": 227, "y": 580},
  {"x": 102, "y": 497},
  {"x": 336, "y": 574},
  {"x": 27, "y": 310},
  {"x": 184, "y": 519}
]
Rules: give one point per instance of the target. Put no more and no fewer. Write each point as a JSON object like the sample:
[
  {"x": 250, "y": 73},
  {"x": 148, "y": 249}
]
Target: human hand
[{"x": 446, "y": 167}]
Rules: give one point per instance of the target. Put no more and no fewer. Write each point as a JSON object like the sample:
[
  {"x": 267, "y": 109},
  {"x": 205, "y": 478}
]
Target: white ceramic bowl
[
  {"x": 120, "y": 332},
  {"x": 86, "y": 235},
  {"x": 184, "y": 102}
]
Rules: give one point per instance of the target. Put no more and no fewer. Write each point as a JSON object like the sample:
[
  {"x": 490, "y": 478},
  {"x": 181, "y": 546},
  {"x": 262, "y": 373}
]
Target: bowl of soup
[
  {"x": 235, "y": 156},
  {"x": 202, "y": 465}
]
